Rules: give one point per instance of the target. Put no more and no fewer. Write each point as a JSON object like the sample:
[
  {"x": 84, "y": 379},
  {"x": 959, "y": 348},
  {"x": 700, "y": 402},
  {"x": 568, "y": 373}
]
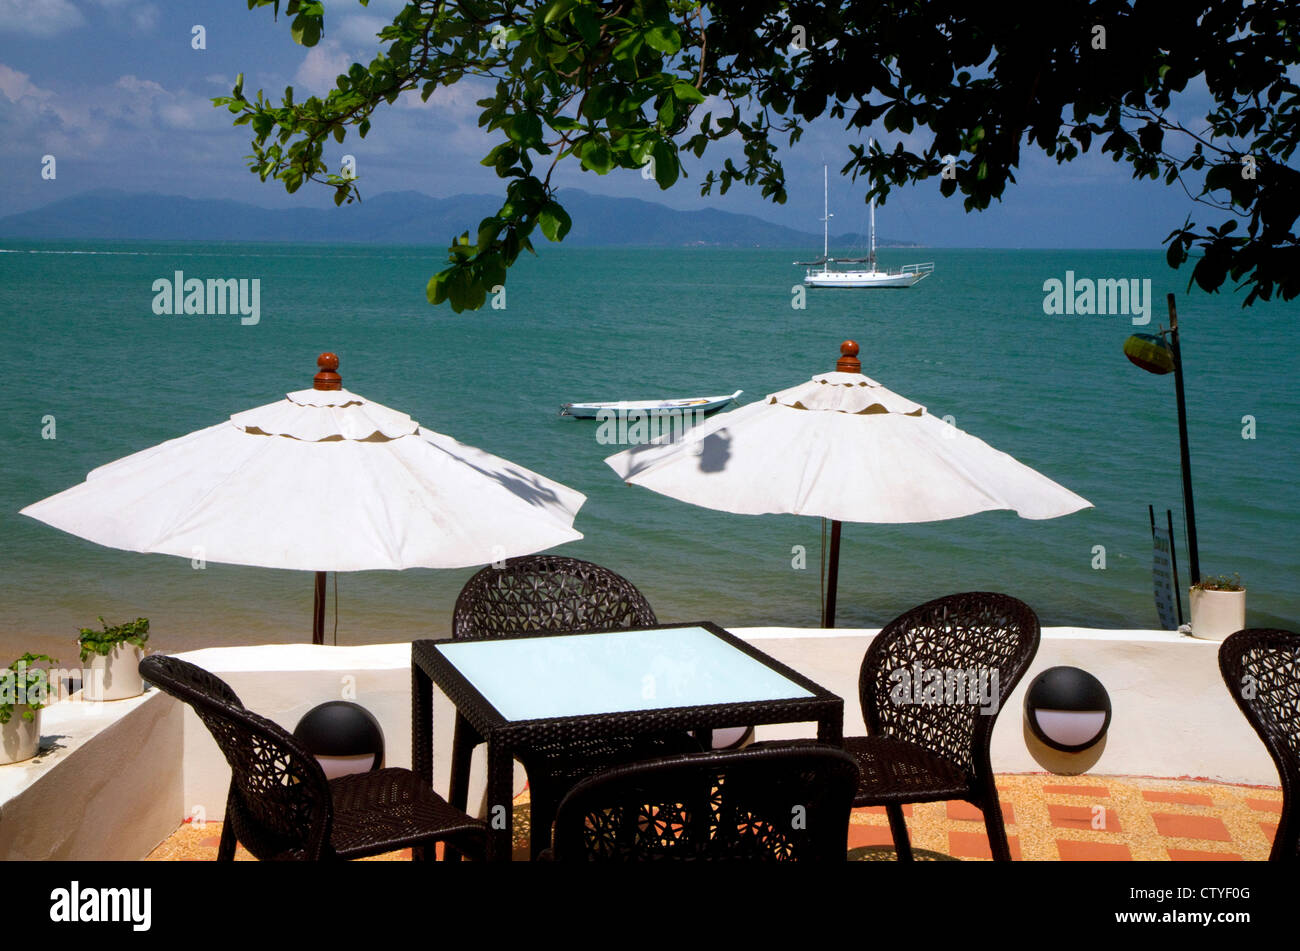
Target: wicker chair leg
[
  {"x": 226, "y": 848},
  {"x": 542, "y": 806},
  {"x": 997, "y": 831},
  {"x": 898, "y": 826}
]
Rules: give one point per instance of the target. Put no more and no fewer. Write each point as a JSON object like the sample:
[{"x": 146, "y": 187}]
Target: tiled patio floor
[{"x": 1109, "y": 818}]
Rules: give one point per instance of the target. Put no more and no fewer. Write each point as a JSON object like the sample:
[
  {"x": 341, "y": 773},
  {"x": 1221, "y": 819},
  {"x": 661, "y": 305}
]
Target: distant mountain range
[{"x": 396, "y": 218}]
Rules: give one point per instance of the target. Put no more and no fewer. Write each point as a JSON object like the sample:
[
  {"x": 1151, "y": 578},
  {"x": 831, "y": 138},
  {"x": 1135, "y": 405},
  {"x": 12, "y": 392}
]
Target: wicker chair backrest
[
  {"x": 938, "y": 675},
  {"x": 540, "y": 594},
  {"x": 761, "y": 804},
  {"x": 1261, "y": 668},
  {"x": 280, "y": 801}
]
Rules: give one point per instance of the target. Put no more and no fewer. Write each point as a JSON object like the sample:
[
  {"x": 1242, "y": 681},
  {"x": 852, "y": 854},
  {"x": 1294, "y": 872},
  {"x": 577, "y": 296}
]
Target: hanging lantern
[{"x": 1150, "y": 352}]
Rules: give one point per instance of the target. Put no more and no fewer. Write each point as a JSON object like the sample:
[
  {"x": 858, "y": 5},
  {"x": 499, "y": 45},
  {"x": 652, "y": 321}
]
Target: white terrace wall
[{"x": 115, "y": 779}]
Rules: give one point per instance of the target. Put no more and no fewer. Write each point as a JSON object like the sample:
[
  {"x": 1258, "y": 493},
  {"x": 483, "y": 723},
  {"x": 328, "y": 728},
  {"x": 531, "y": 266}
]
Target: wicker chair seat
[
  {"x": 390, "y": 809},
  {"x": 898, "y": 771}
]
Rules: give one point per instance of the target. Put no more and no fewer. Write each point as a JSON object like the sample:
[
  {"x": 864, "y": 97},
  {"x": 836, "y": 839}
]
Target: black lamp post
[{"x": 1144, "y": 350}]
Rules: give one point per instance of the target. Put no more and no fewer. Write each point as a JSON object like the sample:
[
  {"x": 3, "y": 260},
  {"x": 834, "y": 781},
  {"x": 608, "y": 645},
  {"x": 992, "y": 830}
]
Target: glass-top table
[{"x": 516, "y": 691}]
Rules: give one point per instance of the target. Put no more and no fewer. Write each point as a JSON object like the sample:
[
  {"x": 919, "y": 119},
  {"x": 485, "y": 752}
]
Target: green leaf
[
  {"x": 628, "y": 47},
  {"x": 556, "y": 10},
  {"x": 595, "y": 155},
  {"x": 664, "y": 38},
  {"x": 585, "y": 23},
  {"x": 554, "y": 221},
  {"x": 685, "y": 92},
  {"x": 526, "y": 129},
  {"x": 305, "y": 30},
  {"x": 668, "y": 111},
  {"x": 436, "y": 290},
  {"x": 666, "y": 167}
]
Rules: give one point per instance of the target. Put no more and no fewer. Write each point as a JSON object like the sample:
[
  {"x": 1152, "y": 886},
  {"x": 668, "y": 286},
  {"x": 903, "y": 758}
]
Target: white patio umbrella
[
  {"x": 842, "y": 447},
  {"x": 323, "y": 480}
]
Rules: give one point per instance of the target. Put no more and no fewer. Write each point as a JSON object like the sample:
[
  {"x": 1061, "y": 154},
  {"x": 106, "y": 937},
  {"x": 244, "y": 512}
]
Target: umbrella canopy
[
  {"x": 323, "y": 480},
  {"x": 843, "y": 447}
]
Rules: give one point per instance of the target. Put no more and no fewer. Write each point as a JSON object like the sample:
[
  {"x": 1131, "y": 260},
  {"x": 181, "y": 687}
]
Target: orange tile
[
  {"x": 860, "y": 835},
  {"x": 1270, "y": 830},
  {"x": 1083, "y": 817},
  {"x": 1178, "y": 798},
  {"x": 1265, "y": 805},
  {"x": 1092, "y": 851},
  {"x": 1191, "y": 827},
  {"x": 1101, "y": 791},
  {"x": 962, "y": 810},
  {"x": 1195, "y": 855},
  {"x": 975, "y": 845},
  {"x": 880, "y": 810}
]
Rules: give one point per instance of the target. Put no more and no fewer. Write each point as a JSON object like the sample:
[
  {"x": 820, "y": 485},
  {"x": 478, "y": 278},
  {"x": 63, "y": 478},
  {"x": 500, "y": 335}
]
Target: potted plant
[
  {"x": 1218, "y": 607},
  {"x": 114, "y": 654},
  {"x": 23, "y": 692}
]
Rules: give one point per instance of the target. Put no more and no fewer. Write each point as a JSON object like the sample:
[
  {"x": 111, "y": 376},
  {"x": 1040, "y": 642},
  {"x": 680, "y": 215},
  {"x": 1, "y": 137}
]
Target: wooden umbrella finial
[
  {"x": 328, "y": 377},
  {"x": 848, "y": 362}
]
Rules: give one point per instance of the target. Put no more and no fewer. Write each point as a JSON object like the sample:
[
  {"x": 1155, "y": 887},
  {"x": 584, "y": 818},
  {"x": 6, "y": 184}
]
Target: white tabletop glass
[{"x": 536, "y": 678}]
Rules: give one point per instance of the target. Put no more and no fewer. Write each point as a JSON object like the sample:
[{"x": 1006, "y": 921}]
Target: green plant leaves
[
  {"x": 554, "y": 221},
  {"x": 103, "y": 642}
]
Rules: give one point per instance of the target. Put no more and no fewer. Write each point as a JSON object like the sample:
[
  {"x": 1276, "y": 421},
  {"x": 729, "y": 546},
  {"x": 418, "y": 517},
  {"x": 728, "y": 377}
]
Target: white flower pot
[
  {"x": 1216, "y": 614},
  {"x": 115, "y": 676},
  {"x": 19, "y": 738}
]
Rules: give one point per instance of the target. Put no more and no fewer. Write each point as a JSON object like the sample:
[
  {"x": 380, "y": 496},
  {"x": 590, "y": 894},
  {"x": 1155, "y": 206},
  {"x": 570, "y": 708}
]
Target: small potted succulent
[
  {"x": 23, "y": 692},
  {"x": 114, "y": 654},
  {"x": 1218, "y": 607}
]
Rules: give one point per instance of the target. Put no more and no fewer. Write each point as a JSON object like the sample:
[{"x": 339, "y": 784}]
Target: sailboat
[{"x": 821, "y": 274}]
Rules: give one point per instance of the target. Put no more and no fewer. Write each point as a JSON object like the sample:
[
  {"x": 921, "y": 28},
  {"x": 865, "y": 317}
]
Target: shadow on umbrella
[
  {"x": 527, "y": 487},
  {"x": 715, "y": 451}
]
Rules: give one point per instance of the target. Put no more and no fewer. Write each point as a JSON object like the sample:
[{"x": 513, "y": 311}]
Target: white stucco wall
[{"x": 107, "y": 783}]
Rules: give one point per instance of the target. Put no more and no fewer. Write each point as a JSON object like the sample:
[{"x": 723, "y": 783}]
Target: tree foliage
[{"x": 641, "y": 83}]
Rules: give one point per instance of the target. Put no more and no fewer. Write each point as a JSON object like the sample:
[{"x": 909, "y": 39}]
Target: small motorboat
[{"x": 700, "y": 405}]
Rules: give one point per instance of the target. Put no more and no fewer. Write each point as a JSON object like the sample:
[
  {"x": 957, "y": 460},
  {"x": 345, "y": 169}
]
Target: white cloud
[
  {"x": 358, "y": 30},
  {"x": 38, "y": 17},
  {"x": 321, "y": 67},
  {"x": 145, "y": 18},
  {"x": 18, "y": 86}
]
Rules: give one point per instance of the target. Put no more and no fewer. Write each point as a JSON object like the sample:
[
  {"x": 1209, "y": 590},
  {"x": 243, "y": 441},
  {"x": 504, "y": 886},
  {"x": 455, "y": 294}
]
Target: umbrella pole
[
  {"x": 318, "y": 611},
  {"x": 832, "y": 576}
]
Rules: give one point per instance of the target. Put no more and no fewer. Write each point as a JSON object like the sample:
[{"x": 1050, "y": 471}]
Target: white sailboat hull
[{"x": 908, "y": 276}]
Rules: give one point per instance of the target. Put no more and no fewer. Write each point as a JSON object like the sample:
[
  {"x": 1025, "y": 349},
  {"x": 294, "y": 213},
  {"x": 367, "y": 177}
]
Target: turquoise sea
[{"x": 80, "y": 342}]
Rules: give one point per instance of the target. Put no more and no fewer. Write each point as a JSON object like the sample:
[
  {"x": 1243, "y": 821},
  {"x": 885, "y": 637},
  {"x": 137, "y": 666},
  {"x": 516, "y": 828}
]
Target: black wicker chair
[
  {"x": 768, "y": 803},
  {"x": 280, "y": 805},
  {"x": 926, "y": 748},
  {"x": 1261, "y": 669},
  {"x": 545, "y": 594}
]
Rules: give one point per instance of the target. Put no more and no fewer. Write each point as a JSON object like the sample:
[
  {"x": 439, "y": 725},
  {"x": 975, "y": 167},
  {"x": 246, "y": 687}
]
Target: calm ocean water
[{"x": 81, "y": 343}]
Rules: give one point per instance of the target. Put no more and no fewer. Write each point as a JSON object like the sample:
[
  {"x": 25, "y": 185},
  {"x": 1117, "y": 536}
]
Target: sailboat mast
[
  {"x": 826, "y": 215},
  {"x": 873, "y": 234},
  {"x": 871, "y": 257}
]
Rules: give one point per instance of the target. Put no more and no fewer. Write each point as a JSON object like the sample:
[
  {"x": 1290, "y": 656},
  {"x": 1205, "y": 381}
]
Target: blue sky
[{"x": 114, "y": 90}]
